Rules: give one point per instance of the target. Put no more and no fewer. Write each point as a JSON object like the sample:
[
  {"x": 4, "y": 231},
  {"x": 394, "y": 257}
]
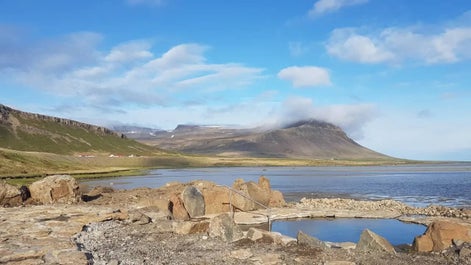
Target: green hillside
[{"x": 33, "y": 132}]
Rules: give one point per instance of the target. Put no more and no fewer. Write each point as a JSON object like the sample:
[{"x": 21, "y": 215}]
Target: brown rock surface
[
  {"x": 9, "y": 195},
  {"x": 177, "y": 208},
  {"x": 439, "y": 236},
  {"x": 216, "y": 199},
  {"x": 369, "y": 241},
  {"x": 57, "y": 188},
  {"x": 307, "y": 240}
]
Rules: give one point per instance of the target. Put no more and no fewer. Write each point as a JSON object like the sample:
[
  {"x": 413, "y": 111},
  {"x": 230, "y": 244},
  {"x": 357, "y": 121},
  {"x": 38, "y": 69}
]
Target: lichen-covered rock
[
  {"x": 440, "y": 235},
  {"x": 55, "y": 189},
  {"x": 372, "y": 242},
  {"x": 9, "y": 195},
  {"x": 193, "y": 201}
]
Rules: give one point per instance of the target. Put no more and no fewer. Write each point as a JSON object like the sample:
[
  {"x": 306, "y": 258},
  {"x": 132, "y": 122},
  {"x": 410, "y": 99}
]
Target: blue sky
[{"x": 394, "y": 74}]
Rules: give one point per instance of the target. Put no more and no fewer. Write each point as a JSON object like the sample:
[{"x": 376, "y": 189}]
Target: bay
[{"x": 447, "y": 184}]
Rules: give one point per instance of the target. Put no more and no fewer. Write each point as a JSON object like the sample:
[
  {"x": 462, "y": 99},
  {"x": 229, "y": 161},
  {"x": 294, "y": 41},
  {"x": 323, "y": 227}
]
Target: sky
[{"x": 394, "y": 74}]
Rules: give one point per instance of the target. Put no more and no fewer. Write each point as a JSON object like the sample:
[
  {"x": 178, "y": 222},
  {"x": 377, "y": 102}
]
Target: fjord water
[{"x": 447, "y": 184}]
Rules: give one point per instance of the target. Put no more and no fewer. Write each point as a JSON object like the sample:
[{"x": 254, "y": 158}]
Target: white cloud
[
  {"x": 129, "y": 52},
  {"x": 128, "y": 73},
  {"x": 326, "y": 6},
  {"x": 396, "y": 45},
  {"x": 350, "y": 117},
  {"x": 306, "y": 76},
  {"x": 347, "y": 45}
]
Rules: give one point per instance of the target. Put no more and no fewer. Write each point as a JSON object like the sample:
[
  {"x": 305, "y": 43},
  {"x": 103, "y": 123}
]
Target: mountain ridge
[{"x": 305, "y": 139}]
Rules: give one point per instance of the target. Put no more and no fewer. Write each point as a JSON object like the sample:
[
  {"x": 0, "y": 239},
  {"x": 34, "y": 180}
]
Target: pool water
[{"x": 349, "y": 229}]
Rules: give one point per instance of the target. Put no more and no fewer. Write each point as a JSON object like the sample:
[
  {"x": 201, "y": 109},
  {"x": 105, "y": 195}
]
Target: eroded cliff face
[{"x": 12, "y": 117}]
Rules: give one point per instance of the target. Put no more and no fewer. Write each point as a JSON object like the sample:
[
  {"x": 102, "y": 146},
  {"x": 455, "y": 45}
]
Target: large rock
[
  {"x": 276, "y": 199},
  {"x": 258, "y": 193},
  {"x": 222, "y": 226},
  {"x": 177, "y": 208},
  {"x": 307, "y": 240},
  {"x": 193, "y": 201},
  {"x": 372, "y": 242},
  {"x": 216, "y": 200},
  {"x": 439, "y": 236},
  {"x": 55, "y": 189},
  {"x": 241, "y": 202},
  {"x": 260, "y": 235},
  {"x": 185, "y": 228},
  {"x": 9, "y": 195},
  {"x": 264, "y": 183}
]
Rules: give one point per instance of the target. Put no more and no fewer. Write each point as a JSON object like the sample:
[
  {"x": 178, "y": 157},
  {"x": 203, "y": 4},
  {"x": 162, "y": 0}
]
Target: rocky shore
[{"x": 199, "y": 223}]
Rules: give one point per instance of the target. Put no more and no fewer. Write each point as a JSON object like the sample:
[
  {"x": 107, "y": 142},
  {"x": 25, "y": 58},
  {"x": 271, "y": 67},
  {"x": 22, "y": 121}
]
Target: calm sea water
[
  {"x": 418, "y": 185},
  {"x": 349, "y": 230}
]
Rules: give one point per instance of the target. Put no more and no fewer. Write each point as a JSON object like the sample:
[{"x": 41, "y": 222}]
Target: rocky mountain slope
[
  {"x": 34, "y": 132},
  {"x": 311, "y": 139}
]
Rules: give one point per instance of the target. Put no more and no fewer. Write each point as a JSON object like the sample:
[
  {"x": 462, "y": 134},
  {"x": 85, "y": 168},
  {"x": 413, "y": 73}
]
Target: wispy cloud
[
  {"x": 128, "y": 73},
  {"x": 297, "y": 48},
  {"x": 396, "y": 45},
  {"x": 327, "y": 6},
  {"x": 306, "y": 76}
]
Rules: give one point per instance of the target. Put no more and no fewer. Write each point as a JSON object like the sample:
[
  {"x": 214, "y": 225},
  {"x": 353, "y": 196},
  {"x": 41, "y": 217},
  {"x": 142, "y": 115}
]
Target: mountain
[
  {"x": 310, "y": 139},
  {"x": 136, "y": 132},
  {"x": 25, "y": 131}
]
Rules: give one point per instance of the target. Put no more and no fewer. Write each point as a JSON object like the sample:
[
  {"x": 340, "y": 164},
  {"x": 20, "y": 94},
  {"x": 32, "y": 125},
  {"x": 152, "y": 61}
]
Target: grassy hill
[{"x": 39, "y": 133}]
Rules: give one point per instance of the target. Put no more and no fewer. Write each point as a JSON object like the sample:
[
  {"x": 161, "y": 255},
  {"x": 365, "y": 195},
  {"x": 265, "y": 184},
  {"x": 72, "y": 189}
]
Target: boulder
[
  {"x": 156, "y": 213},
  {"x": 193, "y": 201},
  {"x": 216, "y": 200},
  {"x": 440, "y": 235},
  {"x": 307, "y": 240},
  {"x": 258, "y": 193},
  {"x": 241, "y": 202},
  {"x": 9, "y": 195},
  {"x": 222, "y": 226},
  {"x": 276, "y": 199},
  {"x": 186, "y": 228},
  {"x": 55, "y": 189},
  {"x": 264, "y": 183},
  {"x": 372, "y": 242},
  {"x": 137, "y": 217},
  {"x": 260, "y": 235},
  {"x": 177, "y": 208}
]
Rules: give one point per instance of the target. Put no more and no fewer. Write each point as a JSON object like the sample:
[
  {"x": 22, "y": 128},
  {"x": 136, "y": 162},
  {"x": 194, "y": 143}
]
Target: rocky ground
[
  {"x": 136, "y": 227},
  {"x": 117, "y": 243}
]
